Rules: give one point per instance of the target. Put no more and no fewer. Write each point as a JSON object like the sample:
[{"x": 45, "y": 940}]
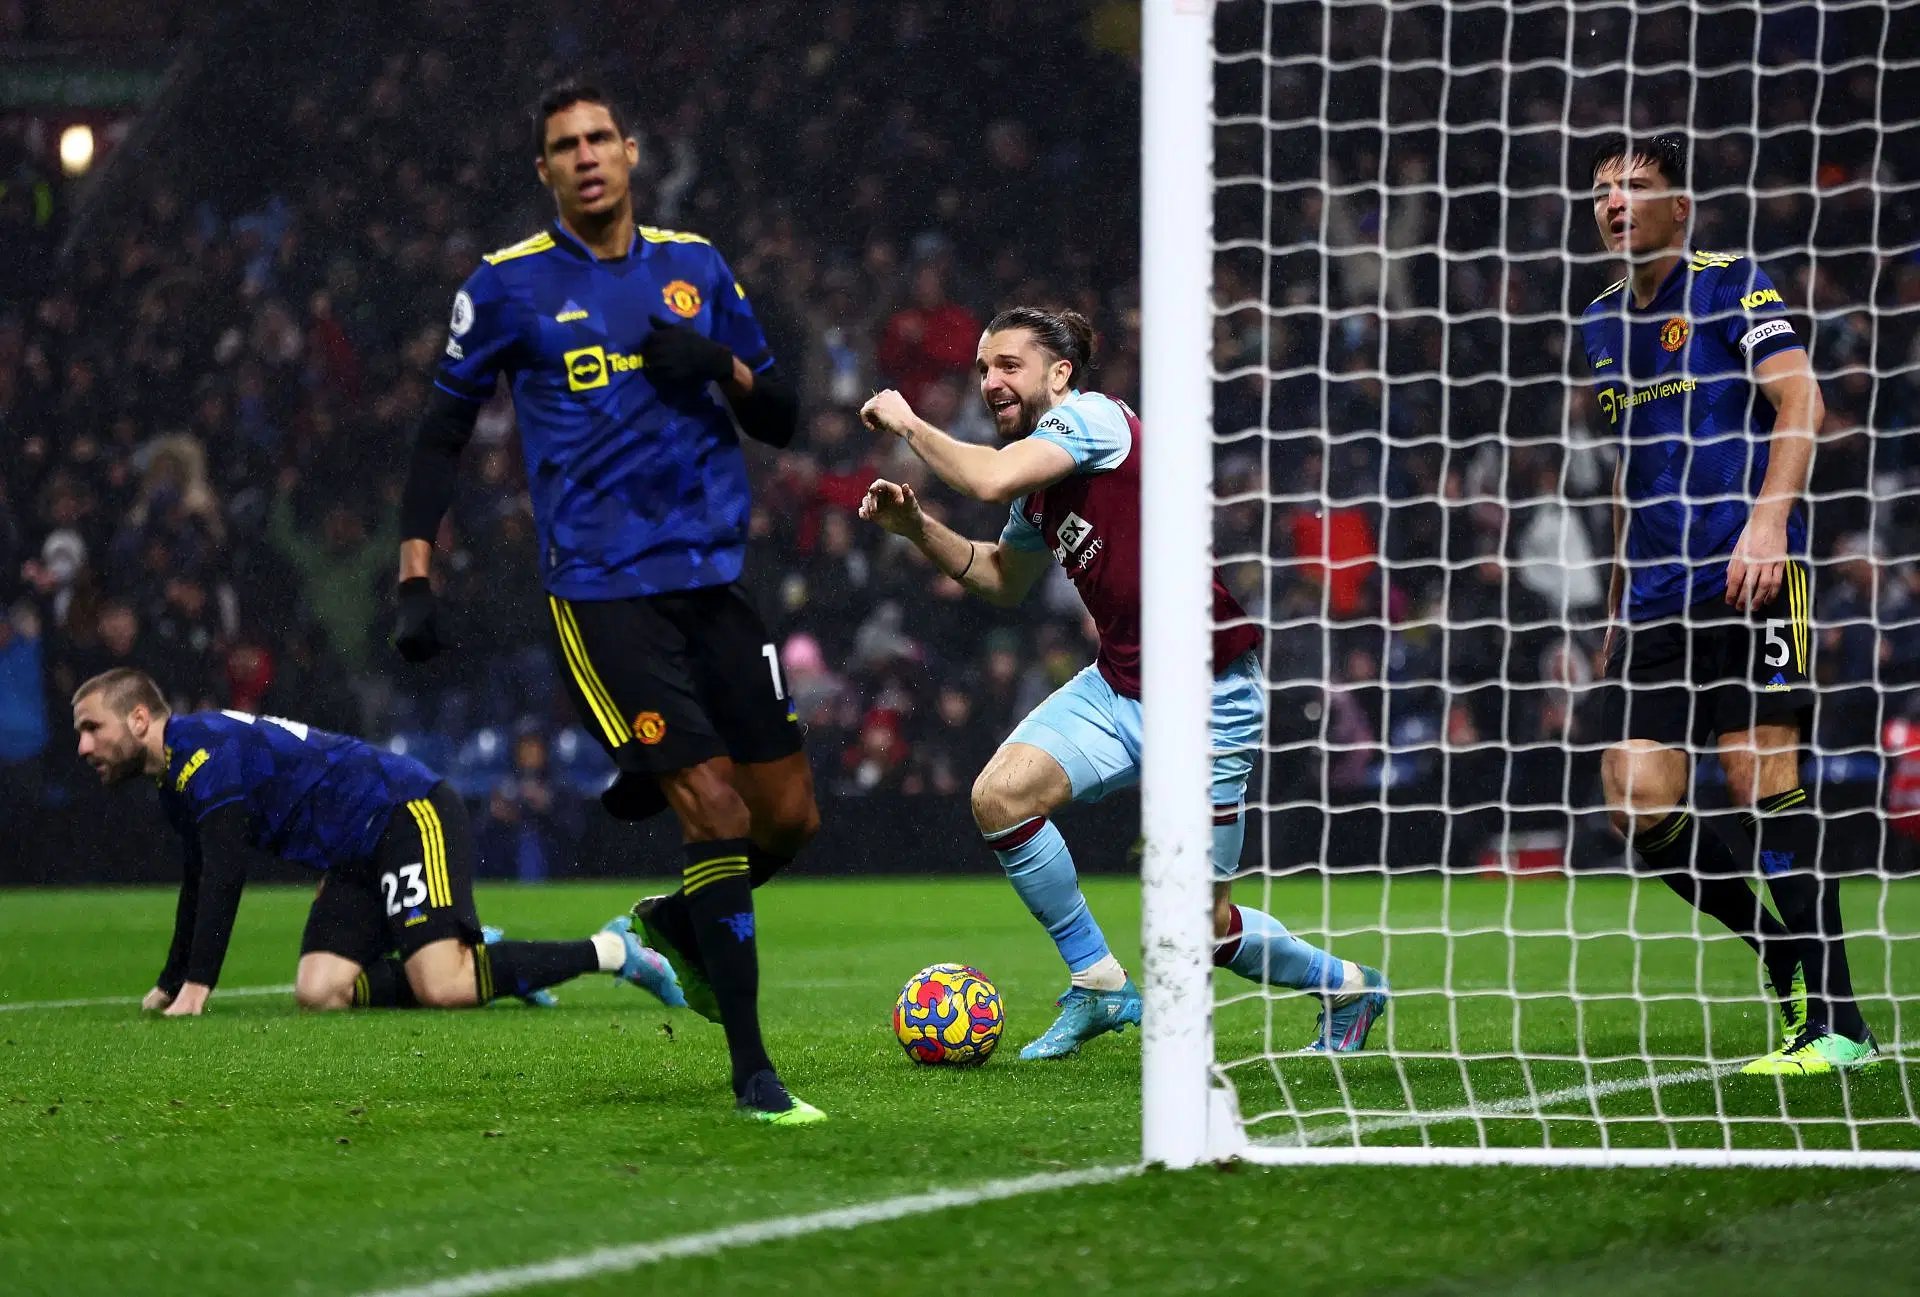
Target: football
[{"x": 948, "y": 1015}]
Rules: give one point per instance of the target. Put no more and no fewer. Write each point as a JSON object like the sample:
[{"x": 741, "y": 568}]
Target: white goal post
[{"x": 1323, "y": 183}]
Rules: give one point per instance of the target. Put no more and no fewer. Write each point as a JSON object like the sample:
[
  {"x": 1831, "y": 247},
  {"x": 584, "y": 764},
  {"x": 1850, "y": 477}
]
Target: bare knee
[
  {"x": 1222, "y": 912},
  {"x": 1740, "y": 768},
  {"x": 709, "y": 807},
  {"x": 443, "y": 992},
  {"x": 1644, "y": 783},
  {"x": 1019, "y": 783},
  {"x": 319, "y": 995}
]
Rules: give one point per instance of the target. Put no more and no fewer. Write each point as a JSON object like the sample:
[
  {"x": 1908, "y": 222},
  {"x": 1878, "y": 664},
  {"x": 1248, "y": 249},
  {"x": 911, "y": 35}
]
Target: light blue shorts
[{"x": 1094, "y": 733}]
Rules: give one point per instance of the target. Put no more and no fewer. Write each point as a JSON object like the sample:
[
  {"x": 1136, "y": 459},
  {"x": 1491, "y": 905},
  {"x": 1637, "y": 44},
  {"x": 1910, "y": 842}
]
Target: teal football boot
[
  {"x": 647, "y": 969},
  {"x": 1346, "y": 1020},
  {"x": 1085, "y": 1014}
]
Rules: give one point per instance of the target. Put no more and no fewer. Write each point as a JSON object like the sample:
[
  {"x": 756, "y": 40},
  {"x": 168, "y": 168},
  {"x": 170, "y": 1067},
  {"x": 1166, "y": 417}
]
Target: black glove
[
  {"x": 417, "y": 635},
  {"x": 676, "y": 354}
]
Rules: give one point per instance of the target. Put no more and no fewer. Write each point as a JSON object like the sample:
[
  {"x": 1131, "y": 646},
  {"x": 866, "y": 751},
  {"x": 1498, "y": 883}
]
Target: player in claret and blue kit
[
  {"x": 393, "y": 924},
  {"x": 1701, "y": 373},
  {"x": 631, "y": 353},
  {"x": 1070, "y": 472}
]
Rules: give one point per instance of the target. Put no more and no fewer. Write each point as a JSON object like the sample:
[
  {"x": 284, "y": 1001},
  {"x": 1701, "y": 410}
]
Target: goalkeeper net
[{"x": 1412, "y": 492}]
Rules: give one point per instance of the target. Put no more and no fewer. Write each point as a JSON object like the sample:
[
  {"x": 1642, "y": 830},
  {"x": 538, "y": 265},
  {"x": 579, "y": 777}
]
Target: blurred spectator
[
  {"x": 929, "y": 340},
  {"x": 23, "y": 716},
  {"x": 529, "y": 831},
  {"x": 340, "y": 570}
]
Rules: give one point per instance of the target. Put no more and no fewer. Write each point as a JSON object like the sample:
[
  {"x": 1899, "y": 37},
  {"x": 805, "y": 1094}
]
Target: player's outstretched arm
[
  {"x": 223, "y": 873},
  {"x": 1758, "y": 565},
  {"x": 997, "y": 476},
  {"x": 994, "y": 570}
]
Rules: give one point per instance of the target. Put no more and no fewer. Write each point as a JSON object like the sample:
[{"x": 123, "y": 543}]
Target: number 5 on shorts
[{"x": 1777, "y": 650}]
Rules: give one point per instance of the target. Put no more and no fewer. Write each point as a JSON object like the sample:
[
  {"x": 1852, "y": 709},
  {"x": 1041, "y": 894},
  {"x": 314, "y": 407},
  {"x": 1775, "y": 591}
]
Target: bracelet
[{"x": 971, "y": 551}]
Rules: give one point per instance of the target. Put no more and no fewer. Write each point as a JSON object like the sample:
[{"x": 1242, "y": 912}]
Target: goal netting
[{"x": 1410, "y": 489}]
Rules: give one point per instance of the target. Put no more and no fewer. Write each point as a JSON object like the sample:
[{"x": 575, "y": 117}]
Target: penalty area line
[
  {"x": 220, "y": 993},
  {"x": 615, "y": 1260}
]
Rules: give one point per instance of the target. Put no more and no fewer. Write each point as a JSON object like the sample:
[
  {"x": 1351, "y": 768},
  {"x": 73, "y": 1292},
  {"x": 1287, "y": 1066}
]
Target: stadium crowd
[{"x": 204, "y": 414}]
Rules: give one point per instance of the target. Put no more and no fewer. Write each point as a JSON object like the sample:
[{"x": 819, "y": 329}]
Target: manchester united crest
[
  {"x": 1673, "y": 334},
  {"x": 682, "y": 298},
  {"x": 649, "y": 728}
]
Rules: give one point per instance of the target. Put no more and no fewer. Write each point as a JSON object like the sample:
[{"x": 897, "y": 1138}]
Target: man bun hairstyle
[
  {"x": 1064, "y": 334},
  {"x": 124, "y": 689},
  {"x": 563, "y": 95},
  {"x": 1667, "y": 151}
]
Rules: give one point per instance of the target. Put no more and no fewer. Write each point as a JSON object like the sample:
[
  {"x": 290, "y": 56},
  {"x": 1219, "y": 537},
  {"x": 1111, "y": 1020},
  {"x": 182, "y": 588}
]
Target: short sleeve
[
  {"x": 735, "y": 326},
  {"x": 1092, "y": 430},
  {"x": 1021, "y": 532},
  {"x": 1751, "y": 315},
  {"x": 480, "y": 337},
  {"x": 207, "y": 778}
]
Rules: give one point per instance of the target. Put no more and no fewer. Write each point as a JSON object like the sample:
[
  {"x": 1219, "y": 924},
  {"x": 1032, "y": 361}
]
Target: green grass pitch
[{"x": 259, "y": 1150}]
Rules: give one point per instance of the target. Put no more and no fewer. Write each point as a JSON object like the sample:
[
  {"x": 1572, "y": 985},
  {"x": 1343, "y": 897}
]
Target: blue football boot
[
  {"x": 1345, "y": 1020},
  {"x": 542, "y": 999},
  {"x": 1085, "y": 1014},
  {"x": 647, "y": 969}
]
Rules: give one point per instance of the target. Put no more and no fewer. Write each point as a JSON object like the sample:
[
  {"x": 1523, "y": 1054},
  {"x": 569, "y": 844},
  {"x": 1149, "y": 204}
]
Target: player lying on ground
[
  {"x": 1071, "y": 472},
  {"x": 393, "y": 924},
  {"x": 1698, "y": 368},
  {"x": 630, "y": 351}
]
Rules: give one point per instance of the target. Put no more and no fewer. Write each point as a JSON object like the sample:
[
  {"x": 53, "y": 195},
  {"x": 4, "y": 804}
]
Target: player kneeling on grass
[
  {"x": 391, "y": 838},
  {"x": 1070, "y": 469}
]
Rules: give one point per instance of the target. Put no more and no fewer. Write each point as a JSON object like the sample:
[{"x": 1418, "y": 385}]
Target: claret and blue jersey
[
  {"x": 636, "y": 490},
  {"x": 311, "y": 797},
  {"x": 1674, "y": 381}
]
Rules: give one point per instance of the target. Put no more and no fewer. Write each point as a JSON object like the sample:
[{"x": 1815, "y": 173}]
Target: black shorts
[
  {"x": 415, "y": 890},
  {"x": 1686, "y": 680},
  {"x": 668, "y": 681}
]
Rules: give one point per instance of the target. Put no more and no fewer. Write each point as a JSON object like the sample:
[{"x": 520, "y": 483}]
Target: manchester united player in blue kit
[
  {"x": 393, "y": 924},
  {"x": 1699, "y": 370},
  {"x": 632, "y": 353}
]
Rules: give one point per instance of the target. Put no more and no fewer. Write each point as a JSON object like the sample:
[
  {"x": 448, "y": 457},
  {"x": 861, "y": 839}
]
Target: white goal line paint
[
  {"x": 219, "y": 993},
  {"x": 615, "y": 1260},
  {"x": 1331, "y": 1143}
]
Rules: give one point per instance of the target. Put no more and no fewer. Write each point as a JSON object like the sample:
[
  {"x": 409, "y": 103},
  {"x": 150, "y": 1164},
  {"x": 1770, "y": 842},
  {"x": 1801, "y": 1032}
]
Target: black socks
[
  {"x": 384, "y": 985},
  {"x": 1787, "y": 833},
  {"x": 717, "y": 895},
  {"x": 1698, "y": 867},
  {"x": 520, "y": 968}
]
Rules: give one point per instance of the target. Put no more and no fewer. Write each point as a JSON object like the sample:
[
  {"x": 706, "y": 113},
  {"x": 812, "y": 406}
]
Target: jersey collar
[
  {"x": 1675, "y": 276},
  {"x": 564, "y": 239}
]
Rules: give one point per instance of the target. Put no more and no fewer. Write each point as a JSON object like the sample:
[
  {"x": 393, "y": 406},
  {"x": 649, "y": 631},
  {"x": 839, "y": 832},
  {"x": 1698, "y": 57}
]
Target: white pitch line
[
  {"x": 615, "y": 1260},
  {"x": 220, "y": 993},
  {"x": 1521, "y": 1104}
]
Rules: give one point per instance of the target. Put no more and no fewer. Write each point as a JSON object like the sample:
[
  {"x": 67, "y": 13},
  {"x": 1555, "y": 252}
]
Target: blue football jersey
[
  {"x": 1674, "y": 379},
  {"x": 311, "y": 797},
  {"x": 636, "y": 491}
]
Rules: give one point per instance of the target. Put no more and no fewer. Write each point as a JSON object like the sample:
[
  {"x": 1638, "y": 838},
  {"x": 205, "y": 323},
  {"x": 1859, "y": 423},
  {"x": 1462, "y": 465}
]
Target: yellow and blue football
[{"x": 948, "y": 1015}]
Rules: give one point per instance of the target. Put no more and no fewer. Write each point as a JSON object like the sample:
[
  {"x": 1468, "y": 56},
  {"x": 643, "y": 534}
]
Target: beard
[
  {"x": 121, "y": 766},
  {"x": 1030, "y": 411}
]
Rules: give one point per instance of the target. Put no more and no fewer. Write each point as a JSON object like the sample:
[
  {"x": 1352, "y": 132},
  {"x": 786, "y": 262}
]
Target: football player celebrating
[
  {"x": 1070, "y": 470},
  {"x": 393, "y": 924}
]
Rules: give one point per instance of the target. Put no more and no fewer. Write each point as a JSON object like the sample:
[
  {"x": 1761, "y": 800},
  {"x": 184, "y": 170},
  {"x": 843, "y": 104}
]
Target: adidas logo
[
  {"x": 1778, "y": 682},
  {"x": 569, "y": 312}
]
